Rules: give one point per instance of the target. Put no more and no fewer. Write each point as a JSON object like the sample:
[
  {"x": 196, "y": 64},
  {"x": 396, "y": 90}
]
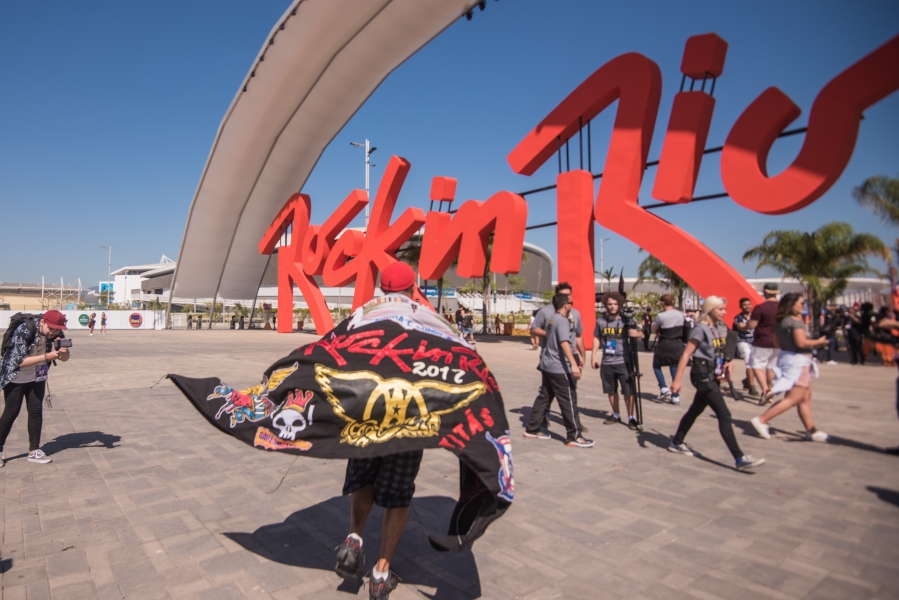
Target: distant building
[{"x": 127, "y": 280}]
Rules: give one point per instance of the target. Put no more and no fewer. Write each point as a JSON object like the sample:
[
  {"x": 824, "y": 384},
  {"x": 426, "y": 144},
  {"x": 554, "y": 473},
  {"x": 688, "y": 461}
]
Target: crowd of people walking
[{"x": 772, "y": 338}]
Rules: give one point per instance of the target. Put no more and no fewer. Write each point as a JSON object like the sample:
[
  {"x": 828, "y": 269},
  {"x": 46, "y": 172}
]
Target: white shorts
[
  {"x": 744, "y": 350},
  {"x": 763, "y": 358}
]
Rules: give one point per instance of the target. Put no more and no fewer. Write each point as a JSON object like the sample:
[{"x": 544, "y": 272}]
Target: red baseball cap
[
  {"x": 397, "y": 277},
  {"x": 55, "y": 319}
]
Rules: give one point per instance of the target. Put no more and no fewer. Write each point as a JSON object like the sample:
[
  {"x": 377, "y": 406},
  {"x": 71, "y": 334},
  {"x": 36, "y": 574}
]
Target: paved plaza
[{"x": 144, "y": 499}]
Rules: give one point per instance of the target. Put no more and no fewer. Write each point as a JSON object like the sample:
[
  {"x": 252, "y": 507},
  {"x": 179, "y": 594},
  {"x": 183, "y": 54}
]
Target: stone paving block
[
  {"x": 67, "y": 563},
  {"x": 227, "y": 591},
  {"x": 134, "y": 574},
  {"x": 110, "y": 591},
  {"x": 39, "y": 590},
  {"x": 273, "y": 576},
  {"x": 192, "y": 547},
  {"x": 84, "y": 590}
]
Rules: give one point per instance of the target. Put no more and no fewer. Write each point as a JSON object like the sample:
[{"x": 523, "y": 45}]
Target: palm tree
[
  {"x": 880, "y": 194},
  {"x": 607, "y": 275},
  {"x": 654, "y": 270},
  {"x": 822, "y": 261},
  {"x": 410, "y": 253}
]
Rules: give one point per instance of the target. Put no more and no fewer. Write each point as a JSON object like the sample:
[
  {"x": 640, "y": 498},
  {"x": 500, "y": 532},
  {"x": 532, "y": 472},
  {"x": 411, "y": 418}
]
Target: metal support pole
[{"x": 367, "y": 167}]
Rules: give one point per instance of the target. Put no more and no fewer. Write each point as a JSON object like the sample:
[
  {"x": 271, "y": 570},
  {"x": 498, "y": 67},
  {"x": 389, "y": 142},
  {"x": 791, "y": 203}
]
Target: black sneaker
[
  {"x": 633, "y": 425},
  {"x": 379, "y": 589},
  {"x": 612, "y": 420},
  {"x": 349, "y": 559}
]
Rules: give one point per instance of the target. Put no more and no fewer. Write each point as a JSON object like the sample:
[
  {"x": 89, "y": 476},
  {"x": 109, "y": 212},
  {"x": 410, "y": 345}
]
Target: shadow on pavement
[
  {"x": 5, "y": 565},
  {"x": 884, "y": 494},
  {"x": 654, "y": 437},
  {"x": 308, "y": 538},
  {"x": 799, "y": 436},
  {"x": 84, "y": 439},
  {"x": 700, "y": 456}
]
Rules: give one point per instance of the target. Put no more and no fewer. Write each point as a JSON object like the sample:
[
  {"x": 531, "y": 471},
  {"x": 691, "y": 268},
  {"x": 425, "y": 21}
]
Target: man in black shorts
[
  {"x": 388, "y": 481},
  {"x": 610, "y": 344}
]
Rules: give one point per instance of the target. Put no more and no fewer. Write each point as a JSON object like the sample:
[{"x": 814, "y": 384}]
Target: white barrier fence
[{"x": 115, "y": 319}]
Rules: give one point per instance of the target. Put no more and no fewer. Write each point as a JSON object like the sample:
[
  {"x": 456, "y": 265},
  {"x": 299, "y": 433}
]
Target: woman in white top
[{"x": 794, "y": 368}]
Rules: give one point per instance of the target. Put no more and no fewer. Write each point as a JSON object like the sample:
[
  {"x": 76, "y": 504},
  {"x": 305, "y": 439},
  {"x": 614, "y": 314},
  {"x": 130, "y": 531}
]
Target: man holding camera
[
  {"x": 27, "y": 352},
  {"x": 611, "y": 340}
]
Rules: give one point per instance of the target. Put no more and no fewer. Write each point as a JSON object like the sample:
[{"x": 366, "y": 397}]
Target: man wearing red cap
[
  {"x": 388, "y": 481},
  {"x": 26, "y": 357}
]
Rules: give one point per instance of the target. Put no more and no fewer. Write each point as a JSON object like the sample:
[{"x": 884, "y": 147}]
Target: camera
[{"x": 63, "y": 343}]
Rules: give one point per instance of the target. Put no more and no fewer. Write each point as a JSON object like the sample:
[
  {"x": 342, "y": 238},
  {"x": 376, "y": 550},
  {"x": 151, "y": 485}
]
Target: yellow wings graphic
[{"x": 394, "y": 397}]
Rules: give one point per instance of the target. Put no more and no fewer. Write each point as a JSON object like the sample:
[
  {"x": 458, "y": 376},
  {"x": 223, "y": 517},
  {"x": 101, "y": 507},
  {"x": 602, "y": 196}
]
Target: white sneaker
[
  {"x": 675, "y": 399},
  {"x": 663, "y": 395},
  {"x": 2, "y": 460},
  {"x": 760, "y": 428},
  {"x": 818, "y": 436},
  {"x": 831, "y": 362},
  {"x": 38, "y": 456}
]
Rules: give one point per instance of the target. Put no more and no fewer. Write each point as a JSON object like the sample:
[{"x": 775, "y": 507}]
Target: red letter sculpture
[
  {"x": 832, "y": 132},
  {"x": 295, "y": 214},
  {"x": 635, "y": 81},
  {"x": 467, "y": 234},
  {"x": 374, "y": 250},
  {"x": 688, "y": 127}
]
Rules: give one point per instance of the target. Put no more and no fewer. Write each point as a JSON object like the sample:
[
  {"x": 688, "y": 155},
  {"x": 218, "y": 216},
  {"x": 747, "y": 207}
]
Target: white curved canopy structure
[{"x": 320, "y": 63}]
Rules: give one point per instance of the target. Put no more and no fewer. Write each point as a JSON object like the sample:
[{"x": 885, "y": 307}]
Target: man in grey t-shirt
[
  {"x": 611, "y": 338},
  {"x": 559, "y": 371},
  {"x": 538, "y": 330}
]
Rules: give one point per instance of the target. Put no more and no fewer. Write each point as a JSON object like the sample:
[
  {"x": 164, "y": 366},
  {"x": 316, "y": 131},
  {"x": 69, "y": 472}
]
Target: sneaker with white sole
[
  {"x": 680, "y": 449},
  {"x": 747, "y": 462},
  {"x": 350, "y": 558},
  {"x": 39, "y": 457},
  {"x": 663, "y": 395},
  {"x": 760, "y": 428},
  {"x": 379, "y": 589},
  {"x": 675, "y": 399},
  {"x": 537, "y": 436},
  {"x": 2, "y": 460},
  {"x": 818, "y": 436},
  {"x": 831, "y": 363},
  {"x": 580, "y": 442}
]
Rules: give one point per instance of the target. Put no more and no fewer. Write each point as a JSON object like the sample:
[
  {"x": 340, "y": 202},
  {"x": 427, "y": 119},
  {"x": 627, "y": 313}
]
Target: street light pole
[
  {"x": 602, "y": 273},
  {"x": 108, "y": 273},
  {"x": 368, "y": 150}
]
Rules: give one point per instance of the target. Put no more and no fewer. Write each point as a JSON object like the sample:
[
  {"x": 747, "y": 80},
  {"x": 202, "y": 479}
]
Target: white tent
[{"x": 319, "y": 64}]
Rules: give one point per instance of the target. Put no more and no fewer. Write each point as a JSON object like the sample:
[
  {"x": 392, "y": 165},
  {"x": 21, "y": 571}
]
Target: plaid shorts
[{"x": 393, "y": 477}]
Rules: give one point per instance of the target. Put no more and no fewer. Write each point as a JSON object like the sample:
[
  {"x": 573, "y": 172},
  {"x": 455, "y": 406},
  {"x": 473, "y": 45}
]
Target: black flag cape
[{"x": 379, "y": 388}]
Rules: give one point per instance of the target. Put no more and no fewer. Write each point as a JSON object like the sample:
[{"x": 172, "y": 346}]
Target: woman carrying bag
[{"x": 706, "y": 347}]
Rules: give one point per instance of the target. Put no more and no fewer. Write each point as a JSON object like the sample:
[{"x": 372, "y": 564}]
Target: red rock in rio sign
[{"x": 636, "y": 83}]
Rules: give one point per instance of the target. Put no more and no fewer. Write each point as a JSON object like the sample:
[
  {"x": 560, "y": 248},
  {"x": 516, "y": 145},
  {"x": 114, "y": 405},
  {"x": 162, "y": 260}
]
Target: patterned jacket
[{"x": 11, "y": 362}]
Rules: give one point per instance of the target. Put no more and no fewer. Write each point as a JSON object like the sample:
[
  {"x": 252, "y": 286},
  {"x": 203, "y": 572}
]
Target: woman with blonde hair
[
  {"x": 706, "y": 347},
  {"x": 794, "y": 368},
  {"x": 103, "y": 323},
  {"x": 92, "y": 322}
]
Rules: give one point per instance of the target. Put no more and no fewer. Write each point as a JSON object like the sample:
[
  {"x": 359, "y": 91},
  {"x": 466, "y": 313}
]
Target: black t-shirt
[{"x": 467, "y": 321}]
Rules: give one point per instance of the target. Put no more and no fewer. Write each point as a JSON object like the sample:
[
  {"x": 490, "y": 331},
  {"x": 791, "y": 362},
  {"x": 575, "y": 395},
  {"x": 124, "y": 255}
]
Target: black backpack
[{"x": 14, "y": 322}]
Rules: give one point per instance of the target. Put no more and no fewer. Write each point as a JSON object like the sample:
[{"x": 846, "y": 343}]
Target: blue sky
[{"x": 108, "y": 111}]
